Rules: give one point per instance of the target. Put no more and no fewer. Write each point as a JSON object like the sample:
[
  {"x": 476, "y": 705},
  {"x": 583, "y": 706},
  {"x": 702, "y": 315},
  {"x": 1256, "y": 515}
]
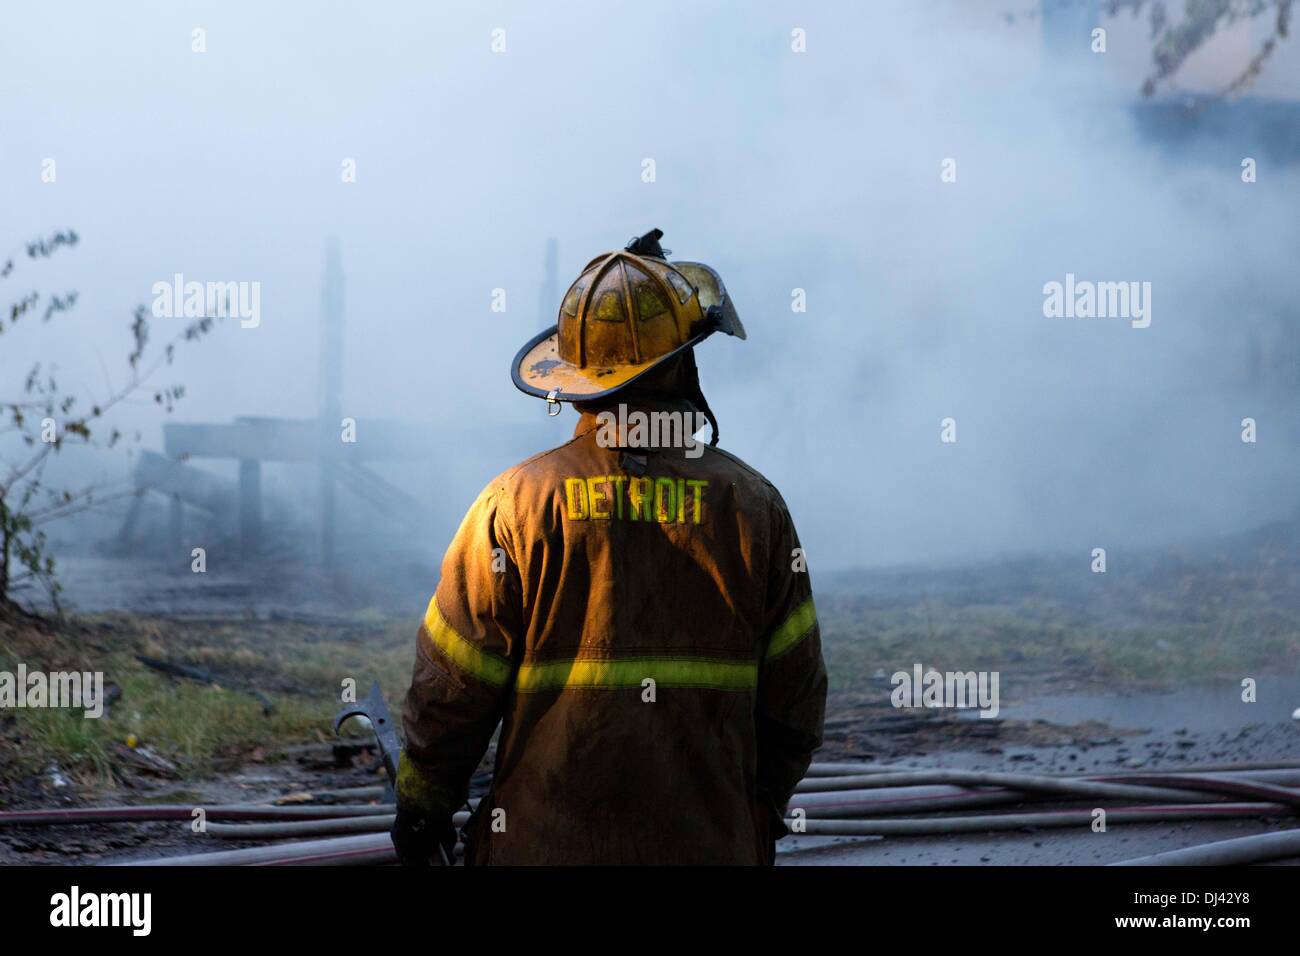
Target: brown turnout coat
[{"x": 641, "y": 626}]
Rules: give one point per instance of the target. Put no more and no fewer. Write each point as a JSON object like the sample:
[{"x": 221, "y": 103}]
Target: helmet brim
[{"x": 538, "y": 370}]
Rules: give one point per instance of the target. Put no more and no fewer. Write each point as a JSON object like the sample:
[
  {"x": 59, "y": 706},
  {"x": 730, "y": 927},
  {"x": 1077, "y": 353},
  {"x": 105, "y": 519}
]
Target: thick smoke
[{"x": 818, "y": 171}]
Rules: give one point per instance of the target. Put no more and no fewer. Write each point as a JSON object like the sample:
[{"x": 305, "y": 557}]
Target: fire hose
[
  {"x": 1259, "y": 848},
  {"x": 162, "y": 812}
]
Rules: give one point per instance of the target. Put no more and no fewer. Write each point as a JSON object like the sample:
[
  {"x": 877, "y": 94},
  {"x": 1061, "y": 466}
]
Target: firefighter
[{"x": 656, "y": 670}]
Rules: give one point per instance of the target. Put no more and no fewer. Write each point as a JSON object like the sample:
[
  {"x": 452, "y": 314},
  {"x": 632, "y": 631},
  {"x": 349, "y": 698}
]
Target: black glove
[{"x": 417, "y": 838}]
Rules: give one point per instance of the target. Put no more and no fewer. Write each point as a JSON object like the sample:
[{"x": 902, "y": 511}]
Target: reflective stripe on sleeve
[
  {"x": 794, "y": 629},
  {"x": 462, "y": 652}
]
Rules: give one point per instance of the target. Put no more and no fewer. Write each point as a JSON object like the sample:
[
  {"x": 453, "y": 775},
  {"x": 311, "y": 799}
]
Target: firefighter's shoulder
[
  {"x": 540, "y": 466},
  {"x": 535, "y": 471},
  {"x": 744, "y": 474}
]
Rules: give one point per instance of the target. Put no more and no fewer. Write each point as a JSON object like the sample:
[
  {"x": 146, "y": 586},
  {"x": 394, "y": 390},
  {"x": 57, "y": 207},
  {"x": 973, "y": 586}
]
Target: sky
[{"x": 819, "y": 170}]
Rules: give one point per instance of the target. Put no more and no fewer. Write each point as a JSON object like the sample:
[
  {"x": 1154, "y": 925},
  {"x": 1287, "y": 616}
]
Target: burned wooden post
[
  {"x": 132, "y": 518},
  {"x": 250, "y": 506},
  {"x": 176, "y": 515},
  {"x": 331, "y": 383}
]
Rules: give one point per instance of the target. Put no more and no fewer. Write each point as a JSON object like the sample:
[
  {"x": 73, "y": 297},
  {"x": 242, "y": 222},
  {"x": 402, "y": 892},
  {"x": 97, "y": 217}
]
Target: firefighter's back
[{"x": 630, "y": 735}]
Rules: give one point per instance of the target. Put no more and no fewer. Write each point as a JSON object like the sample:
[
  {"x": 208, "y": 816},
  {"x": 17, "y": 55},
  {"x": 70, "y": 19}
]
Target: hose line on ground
[
  {"x": 1031, "y": 783},
  {"x": 276, "y": 831},
  {"x": 1036, "y": 820},
  {"x": 185, "y": 811},
  {"x": 1259, "y": 848},
  {"x": 849, "y": 768}
]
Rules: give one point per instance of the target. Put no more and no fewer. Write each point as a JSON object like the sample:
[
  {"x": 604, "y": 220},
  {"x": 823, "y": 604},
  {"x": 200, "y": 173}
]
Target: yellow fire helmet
[{"x": 628, "y": 312}]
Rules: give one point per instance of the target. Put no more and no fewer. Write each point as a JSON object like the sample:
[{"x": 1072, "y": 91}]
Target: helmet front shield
[{"x": 713, "y": 297}]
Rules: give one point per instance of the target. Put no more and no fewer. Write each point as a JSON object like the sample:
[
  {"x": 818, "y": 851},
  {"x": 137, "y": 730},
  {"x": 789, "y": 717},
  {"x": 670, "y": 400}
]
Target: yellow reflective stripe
[
  {"x": 630, "y": 672},
  {"x": 796, "y": 627},
  {"x": 463, "y": 652}
]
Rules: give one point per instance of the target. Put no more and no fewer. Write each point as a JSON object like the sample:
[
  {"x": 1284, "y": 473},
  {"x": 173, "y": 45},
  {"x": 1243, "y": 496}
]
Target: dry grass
[{"x": 298, "y": 668}]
